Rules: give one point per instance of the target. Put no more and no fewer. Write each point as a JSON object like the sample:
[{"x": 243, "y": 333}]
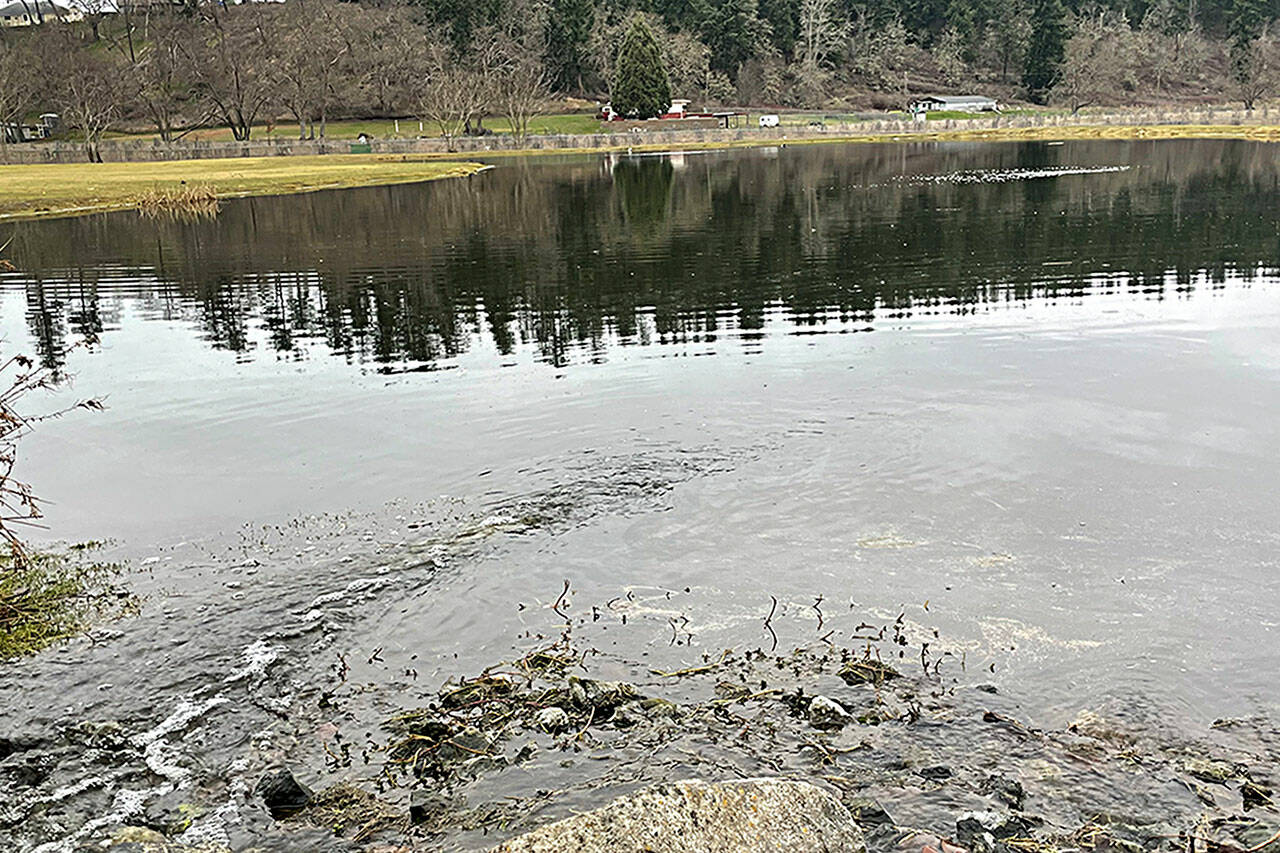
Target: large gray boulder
[{"x": 748, "y": 816}]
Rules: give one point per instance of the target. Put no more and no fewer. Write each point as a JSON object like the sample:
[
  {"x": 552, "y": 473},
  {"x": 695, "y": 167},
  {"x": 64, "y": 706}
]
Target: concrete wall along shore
[{"x": 152, "y": 150}]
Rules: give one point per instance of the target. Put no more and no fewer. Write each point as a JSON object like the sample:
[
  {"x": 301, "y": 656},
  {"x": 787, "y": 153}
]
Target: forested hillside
[
  {"x": 169, "y": 68},
  {"x": 815, "y": 52}
]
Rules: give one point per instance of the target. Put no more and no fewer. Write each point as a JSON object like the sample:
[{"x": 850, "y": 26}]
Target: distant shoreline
[
  {"x": 1063, "y": 133},
  {"x": 54, "y": 190}
]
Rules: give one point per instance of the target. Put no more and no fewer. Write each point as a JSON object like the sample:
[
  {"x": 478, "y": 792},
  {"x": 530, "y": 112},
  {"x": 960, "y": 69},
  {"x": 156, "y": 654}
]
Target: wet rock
[
  {"x": 1007, "y": 791},
  {"x": 107, "y": 736},
  {"x": 825, "y": 713},
  {"x": 924, "y": 842},
  {"x": 660, "y": 708},
  {"x": 979, "y": 831},
  {"x": 553, "y": 719},
  {"x": 937, "y": 773},
  {"x": 623, "y": 719},
  {"x": 427, "y": 806},
  {"x": 987, "y": 688},
  {"x": 27, "y": 770},
  {"x": 1090, "y": 724},
  {"x": 11, "y": 745},
  {"x": 140, "y": 839},
  {"x": 1254, "y": 835},
  {"x": 465, "y": 745},
  {"x": 1208, "y": 770},
  {"x": 741, "y": 816},
  {"x": 282, "y": 794},
  {"x": 867, "y": 672},
  {"x": 171, "y": 813},
  {"x": 868, "y": 813}
]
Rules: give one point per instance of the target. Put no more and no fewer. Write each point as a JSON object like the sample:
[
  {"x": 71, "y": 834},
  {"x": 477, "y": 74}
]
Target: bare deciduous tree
[
  {"x": 232, "y": 65},
  {"x": 522, "y": 93},
  {"x": 1097, "y": 60},
  {"x": 19, "y": 376},
  {"x": 91, "y": 96},
  {"x": 876, "y": 49},
  {"x": 451, "y": 94},
  {"x": 390, "y": 52},
  {"x": 162, "y": 80},
  {"x": 313, "y": 47},
  {"x": 949, "y": 54},
  {"x": 1257, "y": 68},
  {"x": 822, "y": 31},
  {"x": 19, "y": 88}
]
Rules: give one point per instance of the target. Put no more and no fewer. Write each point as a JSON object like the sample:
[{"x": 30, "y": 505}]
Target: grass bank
[{"x": 65, "y": 189}]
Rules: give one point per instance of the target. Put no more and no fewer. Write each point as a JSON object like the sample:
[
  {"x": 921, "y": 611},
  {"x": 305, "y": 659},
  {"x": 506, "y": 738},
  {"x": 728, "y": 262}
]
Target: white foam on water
[
  {"x": 126, "y": 805},
  {"x": 182, "y": 716},
  {"x": 256, "y": 659},
  {"x": 1001, "y": 176},
  {"x": 358, "y": 585}
]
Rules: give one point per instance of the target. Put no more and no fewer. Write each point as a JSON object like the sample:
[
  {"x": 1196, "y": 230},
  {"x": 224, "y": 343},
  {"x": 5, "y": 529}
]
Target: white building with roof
[{"x": 26, "y": 13}]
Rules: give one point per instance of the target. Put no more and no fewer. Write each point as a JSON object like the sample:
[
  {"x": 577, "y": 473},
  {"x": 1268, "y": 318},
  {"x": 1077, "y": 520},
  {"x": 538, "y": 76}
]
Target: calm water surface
[{"x": 1026, "y": 393}]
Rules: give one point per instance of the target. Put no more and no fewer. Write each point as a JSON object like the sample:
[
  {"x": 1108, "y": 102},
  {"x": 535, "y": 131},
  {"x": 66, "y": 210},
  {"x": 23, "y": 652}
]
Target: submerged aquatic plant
[{"x": 45, "y": 598}]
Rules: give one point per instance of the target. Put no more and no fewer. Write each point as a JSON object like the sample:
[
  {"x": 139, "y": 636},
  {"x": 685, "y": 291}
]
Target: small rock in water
[
  {"x": 655, "y": 707},
  {"x": 937, "y": 773},
  {"x": 553, "y": 719},
  {"x": 1007, "y": 791},
  {"x": 868, "y": 813},
  {"x": 426, "y": 806},
  {"x": 979, "y": 831},
  {"x": 139, "y": 837},
  {"x": 825, "y": 713},
  {"x": 748, "y": 816},
  {"x": 282, "y": 794}
]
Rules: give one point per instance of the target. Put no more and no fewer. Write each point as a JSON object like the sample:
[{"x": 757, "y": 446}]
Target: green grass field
[
  {"x": 387, "y": 129},
  {"x": 70, "y": 188}
]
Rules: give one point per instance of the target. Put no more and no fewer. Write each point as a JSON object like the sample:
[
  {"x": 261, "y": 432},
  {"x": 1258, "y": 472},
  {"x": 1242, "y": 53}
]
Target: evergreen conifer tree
[
  {"x": 641, "y": 88},
  {"x": 568, "y": 33},
  {"x": 1048, "y": 44}
]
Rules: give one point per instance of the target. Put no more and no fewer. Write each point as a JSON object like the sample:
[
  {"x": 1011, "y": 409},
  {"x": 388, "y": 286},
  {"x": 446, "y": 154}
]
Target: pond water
[{"x": 1025, "y": 394}]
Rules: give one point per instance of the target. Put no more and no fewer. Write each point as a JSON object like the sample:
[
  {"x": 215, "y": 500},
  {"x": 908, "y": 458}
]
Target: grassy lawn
[
  {"x": 387, "y": 129},
  {"x": 69, "y": 188}
]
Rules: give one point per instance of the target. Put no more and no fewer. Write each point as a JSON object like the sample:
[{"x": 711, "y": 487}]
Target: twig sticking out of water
[
  {"x": 560, "y": 601},
  {"x": 768, "y": 623},
  {"x": 696, "y": 670},
  {"x": 817, "y": 608}
]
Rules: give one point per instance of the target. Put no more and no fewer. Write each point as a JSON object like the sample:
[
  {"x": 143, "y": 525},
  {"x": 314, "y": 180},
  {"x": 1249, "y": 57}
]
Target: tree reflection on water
[{"x": 573, "y": 256}]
